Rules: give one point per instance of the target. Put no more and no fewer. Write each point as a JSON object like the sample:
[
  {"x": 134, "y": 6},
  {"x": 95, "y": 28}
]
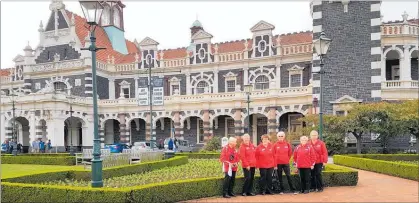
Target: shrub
[
  {"x": 388, "y": 157},
  {"x": 213, "y": 155},
  {"x": 213, "y": 144},
  {"x": 398, "y": 169},
  {"x": 40, "y": 154},
  {"x": 107, "y": 173},
  {"x": 39, "y": 160},
  {"x": 166, "y": 192}
]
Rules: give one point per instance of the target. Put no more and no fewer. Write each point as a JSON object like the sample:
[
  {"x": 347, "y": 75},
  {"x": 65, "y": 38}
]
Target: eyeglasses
[{"x": 281, "y": 136}]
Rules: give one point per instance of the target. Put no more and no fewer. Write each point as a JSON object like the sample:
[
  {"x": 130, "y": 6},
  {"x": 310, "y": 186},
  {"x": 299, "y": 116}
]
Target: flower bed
[{"x": 393, "y": 168}]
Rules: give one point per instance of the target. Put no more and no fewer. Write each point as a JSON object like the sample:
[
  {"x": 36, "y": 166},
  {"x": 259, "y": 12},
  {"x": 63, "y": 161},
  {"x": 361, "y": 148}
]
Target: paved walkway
[{"x": 372, "y": 187}]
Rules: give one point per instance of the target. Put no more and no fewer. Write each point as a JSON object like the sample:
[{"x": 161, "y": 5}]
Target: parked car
[
  {"x": 184, "y": 146},
  {"x": 144, "y": 146},
  {"x": 117, "y": 147}
]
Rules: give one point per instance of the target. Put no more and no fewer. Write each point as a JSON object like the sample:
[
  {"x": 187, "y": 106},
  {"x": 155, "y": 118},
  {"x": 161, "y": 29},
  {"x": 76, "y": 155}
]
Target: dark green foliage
[{"x": 40, "y": 160}]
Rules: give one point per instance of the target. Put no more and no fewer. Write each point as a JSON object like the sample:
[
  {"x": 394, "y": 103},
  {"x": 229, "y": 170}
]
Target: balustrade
[{"x": 399, "y": 29}]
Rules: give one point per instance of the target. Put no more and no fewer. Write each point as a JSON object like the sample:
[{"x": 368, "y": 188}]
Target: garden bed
[
  {"x": 196, "y": 179},
  {"x": 398, "y": 168}
]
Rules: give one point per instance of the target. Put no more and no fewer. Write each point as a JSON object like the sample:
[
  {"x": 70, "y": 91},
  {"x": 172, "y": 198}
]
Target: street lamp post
[
  {"x": 14, "y": 135},
  {"x": 92, "y": 11},
  {"x": 248, "y": 89},
  {"x": 321, "y": 47},
  {"x": 71, "y": 101}
]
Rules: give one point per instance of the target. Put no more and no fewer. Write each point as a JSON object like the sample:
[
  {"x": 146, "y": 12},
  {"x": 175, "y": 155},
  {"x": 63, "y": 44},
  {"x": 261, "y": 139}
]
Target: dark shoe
[
  {"x": 306, "y": 191},
  {"x": 231, "y": 195},
  {"x": 250, "y": 194},
  {"x": 226, "y": 196},
  {"x": 269, "y": 193},
  {"x": 263, "y": 193},
  {"x": 320, "y": 190},
  {"x": 244, "y": 194}
]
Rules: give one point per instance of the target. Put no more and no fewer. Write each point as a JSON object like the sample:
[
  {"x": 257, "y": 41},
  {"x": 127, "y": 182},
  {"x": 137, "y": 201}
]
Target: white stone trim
[
  {"x": 88, "y": 78},
  {"x": 375, "y": 21},
  {"x": 376, "y": 65},
  {"x": 375, "y": 93},
  {"x": 317, "y": 28},
  {"x": 88, "y": 85},
  {"x": 375, "y": 36},
  {"x": 375, "y": 7},
  {"x": 317, "y": 2},
  {"x": 376, "y": 79},
  {"x": 315, "y": 83},
  {"x": 315, "y": 69},
  {"x": 375, "y": 50},
  {"x": 317, "y": 15},
  {"x": 88, "y": 92}
]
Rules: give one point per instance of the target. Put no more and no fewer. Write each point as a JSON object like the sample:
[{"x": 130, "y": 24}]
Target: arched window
[
  {"x": 60, "y": 86},
  {"x": 105, "y": 19},
  {"x": 116, "y": 18},
  {"x": 201, "y": 87},
  {"x": 262, "y": 82}
]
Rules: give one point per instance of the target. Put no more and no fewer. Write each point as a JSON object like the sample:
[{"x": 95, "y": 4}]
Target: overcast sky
[{"x": 169, "y": 22}]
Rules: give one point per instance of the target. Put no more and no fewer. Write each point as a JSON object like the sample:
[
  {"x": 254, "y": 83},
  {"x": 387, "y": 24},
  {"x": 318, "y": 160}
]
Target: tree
[{"x": 409, "y": 115}]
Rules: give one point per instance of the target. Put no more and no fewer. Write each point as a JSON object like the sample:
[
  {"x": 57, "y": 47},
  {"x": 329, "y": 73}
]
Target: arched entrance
[
  {"x": 138, "y": 130},
  {"x": 165, "y": 128},
  {"x": 291, "y": 125},
  {"x": 112, "y": 133},
  {"x": 256, "y": 125},
  {"x": 392, "y": 65},
  {"x": 193, "y": 130},
  {"x": 223, "y": 125},
  {"x": 73, "y": 133},
  {"x": 19, "y": 130}
]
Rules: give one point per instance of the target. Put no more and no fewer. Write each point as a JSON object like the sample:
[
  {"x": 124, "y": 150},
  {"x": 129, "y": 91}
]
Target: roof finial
[
  {"x": 41, "y": 27},
  {"x": 405, "y": 16}
]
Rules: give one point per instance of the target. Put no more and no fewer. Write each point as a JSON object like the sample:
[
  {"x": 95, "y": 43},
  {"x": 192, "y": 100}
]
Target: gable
[
  {"x": 346, "y": 99},
  {"x": 262, "y": 25},
  {"x": 62, "y": 23},
  {"x": 148, "y": 41},
  {"x": 201, "y": 34}
]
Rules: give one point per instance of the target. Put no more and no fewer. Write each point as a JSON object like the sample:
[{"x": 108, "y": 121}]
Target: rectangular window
[
  {"x": 340, "y": 113},
  {"x": 295, "y": 80},
  {"x": 126, "y": 92},
  {"x": 175, "y": 90},
  {"x": 231, "y": 86},
  {"x": 230, "y": 127},
  {"x": 351, "y": 145},
  {"x": 200, "y": 131}
]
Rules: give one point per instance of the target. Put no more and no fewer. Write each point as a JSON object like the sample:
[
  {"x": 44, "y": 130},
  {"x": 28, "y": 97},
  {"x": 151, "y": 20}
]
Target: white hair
[
  {"x": 232, "y": 139},
  {"x": 280, "y": 133},
  {"x": 246, "y": 135}
]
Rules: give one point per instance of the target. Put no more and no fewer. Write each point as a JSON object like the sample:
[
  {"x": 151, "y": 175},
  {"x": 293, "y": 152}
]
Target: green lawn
[{"x": 16, "y": 170}]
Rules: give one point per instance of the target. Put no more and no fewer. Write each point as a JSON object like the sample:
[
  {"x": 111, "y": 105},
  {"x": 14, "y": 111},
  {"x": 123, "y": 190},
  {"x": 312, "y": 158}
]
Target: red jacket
[
  {"x": 265, "y": 156},
  {"x": 247, "y": 155},
  {"x": 283, "y": 152},
  {"x": 304, "y": 156},
  {"x": 321, "y": 151},
  {"x": 229, "y": 155}
]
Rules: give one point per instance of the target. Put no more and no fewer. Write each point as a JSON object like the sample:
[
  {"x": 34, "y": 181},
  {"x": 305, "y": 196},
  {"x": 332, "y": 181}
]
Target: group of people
[
  {"x": 268, "y": 157},
  {"x": 39, "y": 146},
  {"x": 8, "y": 146}
]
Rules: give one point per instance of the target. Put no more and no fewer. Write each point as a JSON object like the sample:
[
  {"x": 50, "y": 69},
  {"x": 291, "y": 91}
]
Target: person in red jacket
[
  {"x": 283, "y": 153},
  {"x": 248, "y": 158},
  {"x": 321, "y": 154},
  {"x": 304, "y": 160},
  {"x": 265, "y": 163},
  {"x": 230, "y": 158}
]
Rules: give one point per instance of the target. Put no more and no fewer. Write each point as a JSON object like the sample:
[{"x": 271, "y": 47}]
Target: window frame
[{"x": 260, "y": 83}]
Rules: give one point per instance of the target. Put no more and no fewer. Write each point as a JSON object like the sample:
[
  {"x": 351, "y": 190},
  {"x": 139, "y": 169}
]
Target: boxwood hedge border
[
  {"x": 64, "y": 160},
  {"x": 393, "y": 168}
]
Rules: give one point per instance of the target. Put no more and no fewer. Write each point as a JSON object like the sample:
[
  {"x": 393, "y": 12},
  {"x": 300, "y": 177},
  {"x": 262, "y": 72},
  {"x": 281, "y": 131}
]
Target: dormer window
[
  {"x": 174, "y": 86},
  {"x": 116, "y": 18},
  {"x": 230, "y": 82},
  {"x": 262, "y": 46},
  {"x": 124, "y": 89},
  {"x": 105, "y": 19},
  {"x": 296, "y": 76}
]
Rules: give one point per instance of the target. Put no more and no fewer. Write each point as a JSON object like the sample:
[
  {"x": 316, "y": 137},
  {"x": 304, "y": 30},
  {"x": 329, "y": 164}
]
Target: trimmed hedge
[
  {"x": 39, "y": 154},
  {"x": 107, "y": 173},
  {"x": 173, "y": 191},
  {"x": 200, "y": 155},
  {"x": 388, "y": 157},
  {"x": 403, "y": 170},
  {"x": 39, "y": 160}
]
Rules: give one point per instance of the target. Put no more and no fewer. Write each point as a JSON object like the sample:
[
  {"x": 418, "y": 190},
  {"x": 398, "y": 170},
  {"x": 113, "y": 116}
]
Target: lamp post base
[{"x": 97, "y": 180}]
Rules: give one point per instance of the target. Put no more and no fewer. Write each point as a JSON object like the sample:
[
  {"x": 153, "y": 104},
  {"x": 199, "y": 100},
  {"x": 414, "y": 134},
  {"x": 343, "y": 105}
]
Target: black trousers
[
  {"x": 228, "y": 183},
  {"x": 316, "y": 177},
  {"x": 286, "y": 169},
  {"x": 304, "y": 178},
  {"x": 265, "y": 182},
  {"x": 249, "y": 176}
]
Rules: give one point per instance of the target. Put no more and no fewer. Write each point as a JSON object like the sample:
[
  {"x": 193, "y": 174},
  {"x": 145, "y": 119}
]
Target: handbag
[{"x": 276, "y": 186}]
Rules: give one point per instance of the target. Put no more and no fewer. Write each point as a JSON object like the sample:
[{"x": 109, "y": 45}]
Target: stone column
[
  {"x": 188, "y": 83},
  {"x": 111, "y": 88},
  {"x": 272, "y": 122},
  {"x": 215, "y": 85},
  {"x": 238, "y": 127},
  {"x": 206, "y": 125},
  {"x": 123, "y": 129},
  {"x": 278, "y": 76},
  {"x": 253, "y": 122},
  {"x": 245, "y": 75},
  {"x": 405, "y": 69},
  {"x": 136, "y": 87},
  {"x": 32, "y": 127},
  {"x": 3, "y": 128},
  {"x": 147, "y": 127},
  {"x": 55, "y": 131},
  {"x": 176, "y": 122},
  {"x": 101, "y": 135}
]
